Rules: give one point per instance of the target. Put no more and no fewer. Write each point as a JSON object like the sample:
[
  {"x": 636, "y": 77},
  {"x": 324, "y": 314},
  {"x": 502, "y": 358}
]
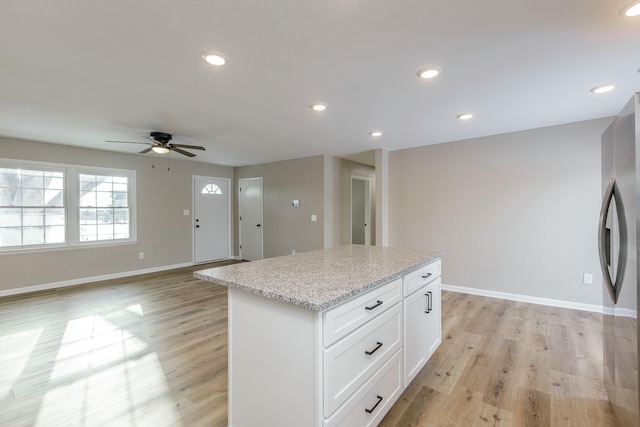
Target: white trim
[
  {"x": 85, "y": 280},
  {"x": 524, "y": 298}
]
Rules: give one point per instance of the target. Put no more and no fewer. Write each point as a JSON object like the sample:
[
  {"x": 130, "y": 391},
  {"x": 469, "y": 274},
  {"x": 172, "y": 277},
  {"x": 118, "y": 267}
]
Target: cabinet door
[
  {"x": 433, "y": 326},
  {"x": 415, "y": 333}
]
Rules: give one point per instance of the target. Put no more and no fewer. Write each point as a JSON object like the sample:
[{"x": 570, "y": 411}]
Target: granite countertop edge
[{"x": 326, "y": 304}]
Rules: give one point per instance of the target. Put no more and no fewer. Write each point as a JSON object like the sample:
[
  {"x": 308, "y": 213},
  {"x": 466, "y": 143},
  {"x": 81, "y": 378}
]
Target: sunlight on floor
[
  {"x": 15, "y": 350},
  {"x": 96, "y": 358}
]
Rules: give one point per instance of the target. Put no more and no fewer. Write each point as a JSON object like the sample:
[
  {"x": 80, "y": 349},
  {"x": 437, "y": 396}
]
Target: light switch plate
[
  {"x": 185, "y": 212},
  {"x": 314, "y": 217}
]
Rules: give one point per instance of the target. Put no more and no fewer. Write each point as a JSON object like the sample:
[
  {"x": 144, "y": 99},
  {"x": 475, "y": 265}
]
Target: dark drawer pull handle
[
  {"x": 379, "y": 303},
  {"x": 426, "y": 276},
  {"x": 429, "y": 307},
  {"x": 368, "y": 411},
  {"x": 369, "y": 353}
]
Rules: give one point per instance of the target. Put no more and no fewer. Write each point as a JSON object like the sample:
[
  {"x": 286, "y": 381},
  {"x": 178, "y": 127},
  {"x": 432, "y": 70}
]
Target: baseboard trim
[
  {"x": 85, "y": 280},
  {"x": 524, "y": 298}
]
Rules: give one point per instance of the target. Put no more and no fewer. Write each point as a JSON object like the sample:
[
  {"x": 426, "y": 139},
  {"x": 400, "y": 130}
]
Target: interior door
[
  {"x": 360, "y": 211},
  {"x": 250, "y": 216},
  {"x": 211, "y": 202}
]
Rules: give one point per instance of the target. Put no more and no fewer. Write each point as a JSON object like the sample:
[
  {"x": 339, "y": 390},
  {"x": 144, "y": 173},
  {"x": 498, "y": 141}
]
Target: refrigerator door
[{"x": 621, "y": 161}]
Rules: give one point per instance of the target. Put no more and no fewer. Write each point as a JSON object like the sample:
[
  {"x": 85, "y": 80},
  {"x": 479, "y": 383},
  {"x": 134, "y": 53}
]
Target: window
[
  {"x": 104, "y": 207},
  {"x": 211, "y": 189},
  {"x": 31, "y": 207},
  {"x": 48, "y": 205}
]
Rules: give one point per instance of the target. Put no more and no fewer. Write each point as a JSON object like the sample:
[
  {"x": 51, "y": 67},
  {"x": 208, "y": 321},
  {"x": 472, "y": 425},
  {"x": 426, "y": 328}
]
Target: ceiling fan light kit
[{"x": 162, "y": 145}]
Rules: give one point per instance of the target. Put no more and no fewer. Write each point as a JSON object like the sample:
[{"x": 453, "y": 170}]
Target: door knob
[{"x": 197, "y": 226}]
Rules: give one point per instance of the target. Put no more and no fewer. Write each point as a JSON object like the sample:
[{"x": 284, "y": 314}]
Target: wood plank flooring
[{"x": 151, "y": 350}]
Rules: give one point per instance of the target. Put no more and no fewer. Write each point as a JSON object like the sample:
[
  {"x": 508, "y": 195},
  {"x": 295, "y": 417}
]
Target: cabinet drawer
[
  {"x": 369, "y": 405},
  {"x": 341, "y": 320},
  {"x": 413, "y": 281},
  {"x": 350, "y": 362}
]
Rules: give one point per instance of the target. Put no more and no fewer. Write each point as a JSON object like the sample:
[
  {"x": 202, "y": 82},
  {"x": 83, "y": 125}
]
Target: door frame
[
  {"x": 193, "y": 213},
  {"x": 367, "y": 208},
  {"x": 240, "y": 180}
]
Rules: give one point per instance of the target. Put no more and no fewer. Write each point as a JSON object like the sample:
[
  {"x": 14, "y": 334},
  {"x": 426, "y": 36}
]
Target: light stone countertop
[{"x": 320, "y": 279}]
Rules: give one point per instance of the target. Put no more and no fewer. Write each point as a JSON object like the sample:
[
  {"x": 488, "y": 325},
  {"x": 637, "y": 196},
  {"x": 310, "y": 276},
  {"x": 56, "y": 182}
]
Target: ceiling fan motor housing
[{"x": 161, "y": 137}]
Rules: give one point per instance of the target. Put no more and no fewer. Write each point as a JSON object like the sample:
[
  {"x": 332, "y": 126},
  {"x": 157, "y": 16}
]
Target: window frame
[{"x": 72, "y": 204}]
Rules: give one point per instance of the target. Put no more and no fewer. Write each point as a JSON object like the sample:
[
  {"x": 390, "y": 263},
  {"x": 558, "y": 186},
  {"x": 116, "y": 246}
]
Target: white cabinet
[
  {"x": 344, "y": 366},
  {"x": 421, "y": 318}
]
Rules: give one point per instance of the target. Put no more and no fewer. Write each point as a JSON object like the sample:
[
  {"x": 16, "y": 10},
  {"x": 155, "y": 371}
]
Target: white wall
[
  {"x": 164, "y": 233},
  {"x": 514, "y": 213}
]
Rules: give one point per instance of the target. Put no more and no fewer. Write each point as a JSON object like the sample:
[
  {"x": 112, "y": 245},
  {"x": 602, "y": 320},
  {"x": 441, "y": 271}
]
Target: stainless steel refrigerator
[{"x": 618, "y": 249}]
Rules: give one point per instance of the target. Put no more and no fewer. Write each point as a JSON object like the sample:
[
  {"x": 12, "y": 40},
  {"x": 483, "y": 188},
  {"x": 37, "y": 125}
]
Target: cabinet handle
[
  {"x": 426, "y": 276},
  {"x": 369, "y": 353},
  {"x": 428, "y": 302},
  {"x": 377, "y": 304},
  {"x": 368, "y": 411}
]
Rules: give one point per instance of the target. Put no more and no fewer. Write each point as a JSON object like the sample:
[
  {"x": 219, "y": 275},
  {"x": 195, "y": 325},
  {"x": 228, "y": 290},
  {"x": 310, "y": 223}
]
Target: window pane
[
  {"x": 105, "y": 216},
  {"x": 105, "y": 232},
  {"x": 88, "y": 198},
  {"x": 104, "y": 183},
  {"x": 33, "y": 236},
  {"x": 121, "y": 231},
  {"x": 88, "y": 216},
  {"x": 88, "y": 233},
  {"x": 104, "y": 199},
  {"x": 32, "y": 217},
  {"x": 10, "y": 196},
  {"x": 32, "y": 179},
  {"x": 11, "y": 217},
  {"x": 54, "y": 180},
  {"x": 9, "y": 178},
  {"x": 121, "y": 216},
  {"x": 10, "y": 236},
  {"x": 120, "y": 199},
  {"x": 53, "y": 197},
  {"x": 54, "y": 234},
  {"x": 54, "y": 217},
  {"x": 32, "y": 197},
  {"x": 124, "y": 187}
]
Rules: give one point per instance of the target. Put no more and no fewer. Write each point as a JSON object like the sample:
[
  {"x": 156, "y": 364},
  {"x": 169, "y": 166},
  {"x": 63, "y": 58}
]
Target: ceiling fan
[{"x": 162, "y": 144}]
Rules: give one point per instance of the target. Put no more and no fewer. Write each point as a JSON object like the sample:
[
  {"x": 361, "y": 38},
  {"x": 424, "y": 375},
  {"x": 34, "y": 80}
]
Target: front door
[
  {"x": 250, "y": 212},
  {"x": 211, "y": 201}
]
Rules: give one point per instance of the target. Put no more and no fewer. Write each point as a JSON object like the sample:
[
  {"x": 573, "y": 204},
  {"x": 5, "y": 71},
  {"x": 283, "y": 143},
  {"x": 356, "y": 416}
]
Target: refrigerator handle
[{"x": 611, "y": 193}]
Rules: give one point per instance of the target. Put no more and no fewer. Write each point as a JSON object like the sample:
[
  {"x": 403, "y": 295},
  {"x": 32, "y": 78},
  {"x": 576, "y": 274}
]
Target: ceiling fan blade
[
  {"x": 145, "y": 150},
  {"x": 193, "y": 147},
  {"x": 130, "y": 142},
  {"x": 177, "y": 150}
]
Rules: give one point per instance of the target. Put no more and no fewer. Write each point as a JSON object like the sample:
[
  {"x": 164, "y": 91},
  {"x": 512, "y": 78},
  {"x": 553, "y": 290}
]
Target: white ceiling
[{"x": 80, "y": 72}]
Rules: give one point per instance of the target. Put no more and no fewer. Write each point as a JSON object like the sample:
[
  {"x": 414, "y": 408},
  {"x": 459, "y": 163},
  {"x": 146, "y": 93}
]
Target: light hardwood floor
[{"x": 151, "y": 350}]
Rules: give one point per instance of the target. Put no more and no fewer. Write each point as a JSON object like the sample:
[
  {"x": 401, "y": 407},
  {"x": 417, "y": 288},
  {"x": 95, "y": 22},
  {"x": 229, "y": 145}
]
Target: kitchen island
[{"x": 328, "y": 337}]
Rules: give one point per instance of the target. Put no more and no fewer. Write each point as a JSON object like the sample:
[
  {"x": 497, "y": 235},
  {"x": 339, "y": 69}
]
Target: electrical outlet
[
  {"x": 141, "y": 255},
  {"x": 293, "y": 251},
  {"x": 587, "y": 279}
]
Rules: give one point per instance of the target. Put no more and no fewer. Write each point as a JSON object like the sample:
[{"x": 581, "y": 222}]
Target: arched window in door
[{"x": 211, "y": 189}]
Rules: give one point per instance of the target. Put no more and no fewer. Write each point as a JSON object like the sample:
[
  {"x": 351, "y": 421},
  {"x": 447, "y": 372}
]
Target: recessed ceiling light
[
  {"x": 631, "y": 10},
  {"x": 318, "y": 107},
  {"x": 465, "y": 116},
  {"x": 428, "y": 73},
  {"x": 603, "y": 88},
  {"x": 214, "y": 58},
  {"x": 375, "y": 133}
]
